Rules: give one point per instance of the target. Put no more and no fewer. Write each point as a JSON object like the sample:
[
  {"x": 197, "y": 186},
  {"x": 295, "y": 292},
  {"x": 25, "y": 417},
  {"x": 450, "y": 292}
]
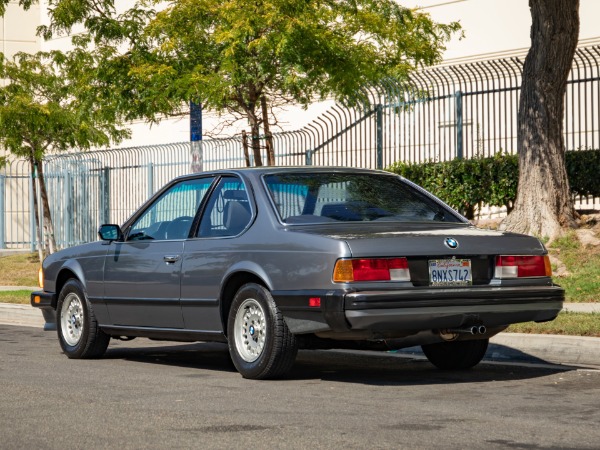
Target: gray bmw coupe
[{"x": 270, "y": 260}]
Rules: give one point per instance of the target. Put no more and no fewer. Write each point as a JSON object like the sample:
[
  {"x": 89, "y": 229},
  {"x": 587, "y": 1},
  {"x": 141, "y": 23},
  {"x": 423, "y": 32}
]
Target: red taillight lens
[
  {"x": 372, "y": 269},
  {"x": 522, "y": 266}
]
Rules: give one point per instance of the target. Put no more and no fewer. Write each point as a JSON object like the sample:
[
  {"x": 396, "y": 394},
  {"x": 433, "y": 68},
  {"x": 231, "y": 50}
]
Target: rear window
[{"x": 351, "y": 197}]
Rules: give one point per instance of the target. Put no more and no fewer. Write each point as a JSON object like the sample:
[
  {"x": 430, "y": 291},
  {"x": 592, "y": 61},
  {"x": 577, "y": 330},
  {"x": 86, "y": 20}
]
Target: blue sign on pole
[
  {"x": 195, "y": 122},
  {"x": 196, "y": 137}
]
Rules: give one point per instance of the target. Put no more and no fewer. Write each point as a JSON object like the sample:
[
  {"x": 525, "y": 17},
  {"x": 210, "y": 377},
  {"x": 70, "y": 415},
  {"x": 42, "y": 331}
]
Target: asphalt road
[{"x": 150, "y": 395}]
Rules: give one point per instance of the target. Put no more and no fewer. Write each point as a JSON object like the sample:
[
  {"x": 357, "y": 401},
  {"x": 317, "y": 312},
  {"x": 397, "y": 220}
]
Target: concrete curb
[
  {"x": 567, "y": 350},
  {"x": 22, "y": 315}
]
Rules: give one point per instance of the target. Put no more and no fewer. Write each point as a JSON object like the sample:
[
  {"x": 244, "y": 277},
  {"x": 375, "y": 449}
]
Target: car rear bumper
[{"x": 398, "y": 311}]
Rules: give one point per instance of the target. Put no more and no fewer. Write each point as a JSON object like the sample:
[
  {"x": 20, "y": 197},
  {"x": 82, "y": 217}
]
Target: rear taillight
[
  {"x": 522, "y": 266},
  {"x": 371, "y": 269}
]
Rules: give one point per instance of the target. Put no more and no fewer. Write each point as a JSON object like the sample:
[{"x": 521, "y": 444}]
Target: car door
[
  {"x": 142, "y": 274},
  {"x": 227, "y": 214}
]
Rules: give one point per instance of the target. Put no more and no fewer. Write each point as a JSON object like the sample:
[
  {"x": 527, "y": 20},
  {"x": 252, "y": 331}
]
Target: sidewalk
[
  {"x": 567, "y": 350},
  {"x": 582, "y": 307}
]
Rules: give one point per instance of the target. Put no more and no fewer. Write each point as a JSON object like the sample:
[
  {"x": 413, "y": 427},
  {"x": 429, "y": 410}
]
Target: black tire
[
  {"x": 78, "y": 331},
  {"x": 456, "y": 355},
  {"x": 260, "y": 343}
]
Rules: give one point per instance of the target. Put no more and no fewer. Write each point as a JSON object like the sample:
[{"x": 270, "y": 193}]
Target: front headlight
[{"x": 41, "y": 278}]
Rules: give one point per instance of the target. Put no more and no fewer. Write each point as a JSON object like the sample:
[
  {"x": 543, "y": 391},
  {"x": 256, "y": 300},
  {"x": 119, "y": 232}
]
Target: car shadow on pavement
[
  {"x": 399, "y": 369},
  {"x": 495, "y": 352},
  {"x": 346, "y": 366},
  {"x": 204, "y": 355}
]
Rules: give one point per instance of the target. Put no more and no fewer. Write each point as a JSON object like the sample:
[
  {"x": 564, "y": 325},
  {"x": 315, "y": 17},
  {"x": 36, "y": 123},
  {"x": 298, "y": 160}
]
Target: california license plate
[{"x": 450, "y": 272}]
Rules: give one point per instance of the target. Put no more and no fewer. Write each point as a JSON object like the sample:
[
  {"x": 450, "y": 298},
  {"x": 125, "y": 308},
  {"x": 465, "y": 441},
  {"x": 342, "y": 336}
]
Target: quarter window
[{"x": 228, "y": 210}]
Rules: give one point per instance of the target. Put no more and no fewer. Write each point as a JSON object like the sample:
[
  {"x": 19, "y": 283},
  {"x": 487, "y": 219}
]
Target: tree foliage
[
  {"x": 48, "y": 104},
  {"x": 246, "y": 56}
]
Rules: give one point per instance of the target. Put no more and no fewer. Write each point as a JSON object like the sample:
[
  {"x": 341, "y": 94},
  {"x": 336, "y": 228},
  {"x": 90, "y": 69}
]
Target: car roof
[{"x": 258, "y": 171}]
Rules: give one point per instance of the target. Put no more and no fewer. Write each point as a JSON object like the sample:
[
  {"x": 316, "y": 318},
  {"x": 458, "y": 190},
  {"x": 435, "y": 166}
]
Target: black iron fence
[{"x": 439, "y": 114}]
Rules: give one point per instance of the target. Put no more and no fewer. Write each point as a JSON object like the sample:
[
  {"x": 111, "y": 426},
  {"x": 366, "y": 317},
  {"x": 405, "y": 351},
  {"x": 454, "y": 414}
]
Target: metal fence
[{"x": 439, "y": 114}]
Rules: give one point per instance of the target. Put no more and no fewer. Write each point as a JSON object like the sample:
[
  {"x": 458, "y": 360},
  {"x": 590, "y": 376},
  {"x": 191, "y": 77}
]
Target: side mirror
[{"x": 110, "y": 232}]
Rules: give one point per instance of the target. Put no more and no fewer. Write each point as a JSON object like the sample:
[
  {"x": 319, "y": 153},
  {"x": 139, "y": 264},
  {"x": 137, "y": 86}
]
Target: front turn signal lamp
[
  {"x": 371, "y": 269},
  {"x": 41, "y": 278},
  {"x": 514, "y": 266}
]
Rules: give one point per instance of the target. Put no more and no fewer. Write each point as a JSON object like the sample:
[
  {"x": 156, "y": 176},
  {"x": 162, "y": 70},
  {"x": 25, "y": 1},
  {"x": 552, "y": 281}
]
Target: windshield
[{"x": 351, "y": 197}]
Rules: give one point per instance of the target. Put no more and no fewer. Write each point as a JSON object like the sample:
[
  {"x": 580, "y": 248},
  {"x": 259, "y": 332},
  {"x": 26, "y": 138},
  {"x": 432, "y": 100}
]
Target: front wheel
[
  {"x": 456, "y": 355},
  {"x": 78, "y": 331},
  {"x": 260, "y": 343}
]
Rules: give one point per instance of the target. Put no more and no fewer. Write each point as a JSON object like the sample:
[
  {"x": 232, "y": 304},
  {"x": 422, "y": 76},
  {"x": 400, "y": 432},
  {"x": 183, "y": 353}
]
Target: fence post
[
  {"x": 458, "y": 95},
  {"x": 379, "y": 142},
  {"x": 308, "y": 156},
  {"x": 32, "y": 228},
  {"x": 105, "y": 195},
  {"x": 2, "y": 211},
  {"x": 150, "y": 179},
  {"x": 69, "y": 223}
]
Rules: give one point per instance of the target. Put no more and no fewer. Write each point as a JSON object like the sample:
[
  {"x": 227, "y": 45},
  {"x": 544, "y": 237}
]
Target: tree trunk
[
  {"x": 255, "y": 137},
  {"x": 36, "y": 210},
  {"x": 245, "y": 147},
  {"x": 543, "y": 206},
  {"x": 48, "y": 224},
  {"x": 268, "y": 135}
]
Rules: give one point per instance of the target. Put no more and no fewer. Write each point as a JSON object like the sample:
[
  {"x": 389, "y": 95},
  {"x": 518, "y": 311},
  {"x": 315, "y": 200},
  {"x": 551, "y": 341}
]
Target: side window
[
  {"x": 171, "y": 215},
  {"x": 228, "y": 210}
]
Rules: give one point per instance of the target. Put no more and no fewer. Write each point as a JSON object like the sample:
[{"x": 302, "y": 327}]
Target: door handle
[{"x": 170, "y": 259}]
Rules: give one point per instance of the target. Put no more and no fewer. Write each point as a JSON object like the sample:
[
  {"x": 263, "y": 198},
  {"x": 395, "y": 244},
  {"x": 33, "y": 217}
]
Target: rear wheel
[
  {"x": 260, "y": 343},
  {"x": 456, "y": 355},
  {"x": 78, "y": 331}
]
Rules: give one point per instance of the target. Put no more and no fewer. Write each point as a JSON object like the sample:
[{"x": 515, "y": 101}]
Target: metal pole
[
  {"x": 150, "y": 179},
  {"x": 2, "y": 211},
  {"x": 69, "y": 224},
  {"x": 459, "y": 124},
  {"x": 308, "y": 157},
  {"x": 105, "y": 195},
  {"x": 196, "y": 137},
  {"x": 379, "y": 137},
  {"x": 33, "y": 231}
]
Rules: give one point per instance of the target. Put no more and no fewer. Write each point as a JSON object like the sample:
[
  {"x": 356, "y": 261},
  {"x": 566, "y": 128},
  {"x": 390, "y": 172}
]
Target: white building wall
[
  {"x": 17, "y": 30},
  {"x": 497, "y": 28},
  {"x": 17, "y": 33}
]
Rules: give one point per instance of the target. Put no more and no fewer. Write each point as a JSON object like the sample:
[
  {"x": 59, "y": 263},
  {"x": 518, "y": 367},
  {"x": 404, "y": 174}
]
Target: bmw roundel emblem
[{"x": 451, "y": 243}]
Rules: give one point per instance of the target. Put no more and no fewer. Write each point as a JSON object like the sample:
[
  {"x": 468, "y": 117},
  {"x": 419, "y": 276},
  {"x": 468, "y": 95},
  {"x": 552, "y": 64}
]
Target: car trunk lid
[{"x": 423, "y": 243}]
